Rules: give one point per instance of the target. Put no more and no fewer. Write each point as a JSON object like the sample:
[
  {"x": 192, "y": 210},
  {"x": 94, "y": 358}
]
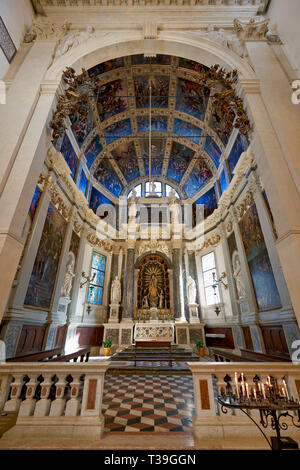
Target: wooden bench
[
  {"x": 224, "y": 356},
  {"x": 246, "y": 356},
  {"x": 84, "y": 355}
]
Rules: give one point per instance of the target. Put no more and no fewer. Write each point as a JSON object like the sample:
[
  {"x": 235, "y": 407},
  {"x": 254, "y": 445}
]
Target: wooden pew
[{"x": 37, "y": 357}]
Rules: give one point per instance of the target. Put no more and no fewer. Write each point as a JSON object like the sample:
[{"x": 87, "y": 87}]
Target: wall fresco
[
  {"x": 222, "y": 125},
  {"x": 69, "y": 154},
  {"x": 241, "y": 144},
  {"x": 209, "y": 200},
  {"x": 106, "y": 175},
  {"x": 107, "y": 66},
  {"x": 264, "y": 284},
  {"x": 160, "y": 59},
  {"x": 82, "y": 127},
  {"x": 82, "y": 181},
  {"x": 212, "y": 149},
  {"x": 192, "y": 65},
  {"x": 97, "y": 199},
  {"x": 92, "y": 151},
  {"x": 43, "y": 276},
  {"x": 224, "y": 179}
]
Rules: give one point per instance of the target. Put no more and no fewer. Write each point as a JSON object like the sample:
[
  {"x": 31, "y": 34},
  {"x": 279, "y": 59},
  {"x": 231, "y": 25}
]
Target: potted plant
[
  {"x": 200, "y": 347},
  {"x": 106, "y": 347}
]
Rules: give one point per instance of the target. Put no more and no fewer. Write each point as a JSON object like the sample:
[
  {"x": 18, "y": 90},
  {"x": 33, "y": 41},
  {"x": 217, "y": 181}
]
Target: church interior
[{"x": 150, "y": 224}]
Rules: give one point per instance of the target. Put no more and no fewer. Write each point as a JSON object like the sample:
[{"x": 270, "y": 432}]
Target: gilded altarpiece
[{"x": 153, "y": 289}]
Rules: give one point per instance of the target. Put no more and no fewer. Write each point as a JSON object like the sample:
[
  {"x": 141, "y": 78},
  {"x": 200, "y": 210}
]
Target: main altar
[{"x": 154, "y": 332}]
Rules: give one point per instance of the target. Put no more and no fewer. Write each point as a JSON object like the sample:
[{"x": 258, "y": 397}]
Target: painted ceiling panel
[
  {"x": 187, "y": 130},
  {"x": 212, "y": 149},
  {"x": 209, "y": 200},
  {"x": 160, "y": 91},
  {"x": 192, "y": 98},
  {"x": 82, "y": 127},
  {"x": 157, "y": 155},
  {"x": 180, "y": 158},
  {"x": 158, "y": 123},
  {"x": 69, "y": 154},
  {"x": 241, "y": 144},
  {"x": 92, "y": 151},
  {"x": 112, "y": 98},
  {"x": 106, "y": 175},
  {"x": 126, "y": 159},
  {"x": 117, "y": 130},
  {"x": 222, "y": 125},
  {"x": 200, "y": 175},
  {"x": 107, "y": 66}
]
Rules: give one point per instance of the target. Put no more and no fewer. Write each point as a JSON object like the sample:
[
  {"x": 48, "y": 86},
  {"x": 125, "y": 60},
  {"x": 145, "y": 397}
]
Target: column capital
[
  {"x": 254, "y": 30},
  {"x": 248, "y": 86}
]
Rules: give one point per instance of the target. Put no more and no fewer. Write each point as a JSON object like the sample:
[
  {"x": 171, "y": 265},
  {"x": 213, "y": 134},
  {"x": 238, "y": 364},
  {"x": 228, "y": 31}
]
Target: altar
[{"x": 154, "y": 333}]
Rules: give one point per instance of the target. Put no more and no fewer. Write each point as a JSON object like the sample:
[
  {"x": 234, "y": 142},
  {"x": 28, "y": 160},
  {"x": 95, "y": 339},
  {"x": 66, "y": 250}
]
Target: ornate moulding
[
  {"x": 253, "y": 30},
  {"x": 95, "y": 241},
  {"x": 153, "y": 246}
]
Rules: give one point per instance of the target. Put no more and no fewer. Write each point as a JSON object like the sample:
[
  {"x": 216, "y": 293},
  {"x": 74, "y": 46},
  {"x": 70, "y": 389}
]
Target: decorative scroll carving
[
  {"x": 252, "y": 31},
  {"x": 73, "y": 40},
  {"x": 153, "y": 245},
  {"x": 95, "y": 241},
  {"x": 212, "y": 241},
  {"x": 57, "y": 201},
  {"x": 242, "y": 208},
  {"x": 225, "y": 39},
  {"x": 78, "y": 227}
]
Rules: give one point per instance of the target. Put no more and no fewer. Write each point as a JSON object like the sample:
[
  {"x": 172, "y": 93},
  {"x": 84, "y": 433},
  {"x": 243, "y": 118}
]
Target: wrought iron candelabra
[{"x": 273, "y": 402}]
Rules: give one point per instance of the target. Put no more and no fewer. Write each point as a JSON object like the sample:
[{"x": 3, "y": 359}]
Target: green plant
[
  {"x": 107, "y": 343},
  {"x": 199, "y": 343}
]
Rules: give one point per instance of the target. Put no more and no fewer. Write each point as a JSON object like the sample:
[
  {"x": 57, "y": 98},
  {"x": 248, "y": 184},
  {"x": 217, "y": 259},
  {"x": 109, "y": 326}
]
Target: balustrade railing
[
  {"x": 236, "y": 429},
  {"x": 53, "y": 399}
]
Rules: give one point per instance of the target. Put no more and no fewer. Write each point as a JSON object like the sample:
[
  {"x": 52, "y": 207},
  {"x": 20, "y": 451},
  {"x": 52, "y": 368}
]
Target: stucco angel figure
[
  {"x": 68, "y": 279},
  {"x": 116, "y": 291},
  {"x": 73, "y": 40},
  {"x": 191, "y": 290}
]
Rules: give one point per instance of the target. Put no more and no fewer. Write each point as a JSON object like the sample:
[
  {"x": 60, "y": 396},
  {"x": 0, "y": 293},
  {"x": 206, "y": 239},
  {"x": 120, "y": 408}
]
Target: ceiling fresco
[{"x": 190, "y": 138}]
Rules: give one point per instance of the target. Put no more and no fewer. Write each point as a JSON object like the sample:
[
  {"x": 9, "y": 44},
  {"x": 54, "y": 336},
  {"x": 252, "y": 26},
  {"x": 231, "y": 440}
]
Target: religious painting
[
  {"x": 198, "y": 177},
  {"x": 180, "y": 158},
  {"x": 222, "y": 124},
  {"x": 224, "y": 179},
  {"x": 212, "y": 149},
  {"x": 69, "y": 154},
  {"x": 125, "y": 157},
  {"x": 159, "y": 93},
  {"x": 6, "y": 42},
  {"x": 82, "y": 181},
  {"x": 160, "y": 59},
  {"x": 97, "y": 274},
  {"x": 117, "y": 130},
  {"x": 185, "y": 129},
  {"x": 92, "y": 151},
  {"x": 192, "y": 98},
  {"x": 43, "y": 276},
  {"x": 157, "y": 155},
  {"x": 97, "y": 199},
  {"x": 209, "y": 200},
  {"x": 34, "y": 203},
  {"x": 107, "y": 66},
  {"x": 112, "y": 98},
  {"x": 107, "y": 176},
  {"x": 241, "y": 144},
  {"x": 264, "y": 284},
  {"x": 153, "y": 283},
  {"x": 192, "y": 65},
  {"x": 158, "y": 123},
  {"x": 82, "y": 127}
]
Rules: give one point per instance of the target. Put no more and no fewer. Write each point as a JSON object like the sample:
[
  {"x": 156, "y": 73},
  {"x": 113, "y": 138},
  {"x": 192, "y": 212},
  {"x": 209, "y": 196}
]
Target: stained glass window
[{"x": 97, "y": 276}]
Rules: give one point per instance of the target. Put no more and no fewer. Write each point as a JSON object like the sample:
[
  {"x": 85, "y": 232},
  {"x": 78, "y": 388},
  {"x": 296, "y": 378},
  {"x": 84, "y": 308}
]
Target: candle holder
[{"x": 273, "y": 402}]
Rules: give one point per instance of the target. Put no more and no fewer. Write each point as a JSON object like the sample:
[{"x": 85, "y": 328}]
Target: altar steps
[{"x": 153, "y": 361}]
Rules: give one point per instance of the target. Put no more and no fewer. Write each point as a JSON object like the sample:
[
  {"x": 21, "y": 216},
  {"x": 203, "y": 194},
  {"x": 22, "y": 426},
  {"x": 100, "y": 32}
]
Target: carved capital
[
  {"x": 252, "y": 31},
  {"x": 95, "y": 241},
  {"x": 46, "y": 31}
]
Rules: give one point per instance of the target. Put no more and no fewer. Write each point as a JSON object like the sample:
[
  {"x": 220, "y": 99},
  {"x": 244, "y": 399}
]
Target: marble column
[
  {"x": 129, "y": 286},
  {"x": 178, "y": 286}
]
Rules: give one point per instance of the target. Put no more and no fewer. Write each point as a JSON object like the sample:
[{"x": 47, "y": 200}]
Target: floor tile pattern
[{"x": 148, "y": 403}]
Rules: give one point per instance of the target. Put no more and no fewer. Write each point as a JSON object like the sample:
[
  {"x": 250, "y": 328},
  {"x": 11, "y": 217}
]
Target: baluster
[
  {"x": 27, "y": 406},
  {"x": 42, "y": 407},
  {"x": 16, "y": 387},
  {"x": 58, "y": 405},
  {"x": 72, "y": 406},
  {"x": 5, "y": 384}
]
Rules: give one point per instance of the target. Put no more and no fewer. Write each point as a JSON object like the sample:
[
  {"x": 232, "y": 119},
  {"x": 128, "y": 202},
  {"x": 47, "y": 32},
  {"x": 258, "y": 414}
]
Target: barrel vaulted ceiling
[{"x": 190, "y": 140}]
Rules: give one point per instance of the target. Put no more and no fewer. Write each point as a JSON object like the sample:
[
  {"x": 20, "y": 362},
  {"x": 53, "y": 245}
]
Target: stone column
[
  {"x": 275, "y": 145},
  {"x": 178, "y": 285},
  {"x": 129, "y": 284}
]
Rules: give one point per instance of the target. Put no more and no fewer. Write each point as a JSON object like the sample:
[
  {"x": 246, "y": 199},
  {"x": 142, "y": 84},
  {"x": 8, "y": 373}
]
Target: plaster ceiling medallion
[{"x": 108, "y": 112}]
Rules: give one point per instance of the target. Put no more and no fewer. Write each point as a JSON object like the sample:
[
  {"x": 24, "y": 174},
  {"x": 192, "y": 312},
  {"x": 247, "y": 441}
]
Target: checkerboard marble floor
[{"x": 148, "y": 403}]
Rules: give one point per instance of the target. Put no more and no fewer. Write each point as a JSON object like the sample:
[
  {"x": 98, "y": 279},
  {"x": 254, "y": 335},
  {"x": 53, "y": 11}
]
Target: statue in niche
[
  {"x": 145, "y": 303},
  {"x": 68, "y": 279},
  {"x": 153, "y": 291},
  {"x": 161, "y": 299},
  {"x": 191, "y": 290},
  {"x": 116, "y": 291},
  {"x": 237, "y": 274}
]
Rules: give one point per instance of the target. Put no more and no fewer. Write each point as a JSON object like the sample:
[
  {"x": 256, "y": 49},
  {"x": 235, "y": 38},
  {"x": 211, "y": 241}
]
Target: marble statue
[
  {"x": 68, "y": 279},
  {"x": 226, "y": 40},
  {"x": 116, "y": 291},
  {"x": 161, "y": 299},
  {"x": 191, "y": 290},
  {"x": 145, "y": 303},
  {"x": 237, "y": 274}
]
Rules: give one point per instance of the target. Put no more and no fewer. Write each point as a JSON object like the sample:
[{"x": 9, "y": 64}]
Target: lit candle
[
  {"x": 286, "y": 390},
  {"x": 259, "y": 387},
  {"x": 283, "y": 392},
  {"x": 263, "y": 390},
  {"x": 254, "y": 391},
  {"x": 237, "y": 384},
  {"x": 247, "y": 388},
  {"x": 269, "y": 381}
]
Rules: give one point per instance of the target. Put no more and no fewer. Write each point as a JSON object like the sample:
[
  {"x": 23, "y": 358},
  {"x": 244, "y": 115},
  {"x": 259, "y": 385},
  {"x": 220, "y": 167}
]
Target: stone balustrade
[
  {"x": 234, "y": 430},
  {"x": 53, "y": 399}
]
